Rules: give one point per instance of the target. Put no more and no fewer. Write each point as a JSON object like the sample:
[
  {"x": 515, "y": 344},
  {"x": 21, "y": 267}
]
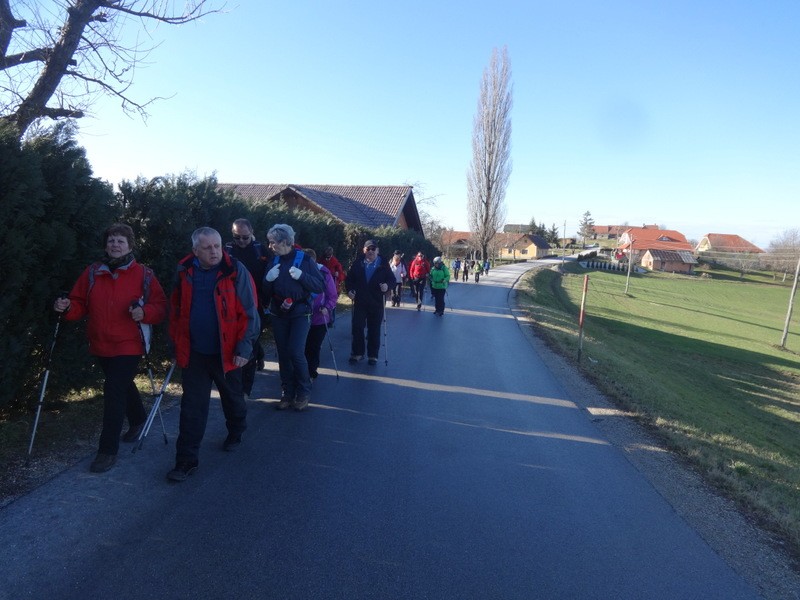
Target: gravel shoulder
[{"x": 752, "y": 552}]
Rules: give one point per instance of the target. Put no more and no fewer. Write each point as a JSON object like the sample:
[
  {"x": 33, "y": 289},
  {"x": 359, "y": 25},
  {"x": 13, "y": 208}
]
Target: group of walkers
[
  {"x": 464, "y": 267},
  {"x": 217, "y": 311},
  {"x": 223, "y": 298}
]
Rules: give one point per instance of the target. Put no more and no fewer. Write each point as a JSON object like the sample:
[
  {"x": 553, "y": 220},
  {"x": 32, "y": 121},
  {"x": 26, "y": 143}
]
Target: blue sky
[{"x": 683, "y": 114}]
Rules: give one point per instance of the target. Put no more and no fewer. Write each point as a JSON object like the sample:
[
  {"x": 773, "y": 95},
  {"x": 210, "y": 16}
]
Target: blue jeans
[
  {"x": 290, "y": 335},
  {"x": 203, "y": 370}
]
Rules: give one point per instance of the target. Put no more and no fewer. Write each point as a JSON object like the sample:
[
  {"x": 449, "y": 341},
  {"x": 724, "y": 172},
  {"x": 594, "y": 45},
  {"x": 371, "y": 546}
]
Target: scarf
[{"x": 113, "y": 263}]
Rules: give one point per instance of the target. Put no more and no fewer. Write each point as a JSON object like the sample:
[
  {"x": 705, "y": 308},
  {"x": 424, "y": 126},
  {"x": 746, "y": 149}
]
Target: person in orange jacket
[
  {"x": 119, "y": 296},
  {"x": 214, "y": 323}
]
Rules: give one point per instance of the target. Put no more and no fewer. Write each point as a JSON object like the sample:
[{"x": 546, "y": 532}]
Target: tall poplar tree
[{"x": 490, "y": 169}]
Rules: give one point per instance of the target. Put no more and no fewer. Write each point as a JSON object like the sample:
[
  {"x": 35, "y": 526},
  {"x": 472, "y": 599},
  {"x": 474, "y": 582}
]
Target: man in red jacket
[
  {"x": 418, "y": 271},
  {"x": 214, "y": 324}
]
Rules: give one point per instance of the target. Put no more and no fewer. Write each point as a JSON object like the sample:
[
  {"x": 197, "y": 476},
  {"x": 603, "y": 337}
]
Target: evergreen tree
[
  {"x": 586, "y": 227},
  {"x": 53, "y": 214}
]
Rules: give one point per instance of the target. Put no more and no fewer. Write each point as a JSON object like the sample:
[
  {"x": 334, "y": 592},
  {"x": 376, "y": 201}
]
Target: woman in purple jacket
[{"x": 321, "y": 313}]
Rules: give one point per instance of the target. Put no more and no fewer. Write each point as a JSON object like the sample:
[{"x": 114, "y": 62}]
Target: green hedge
[{"x": 52, "y": 219}]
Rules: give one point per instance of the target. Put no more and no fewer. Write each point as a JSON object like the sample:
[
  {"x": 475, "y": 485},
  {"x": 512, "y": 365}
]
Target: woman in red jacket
[{"x": 119, "y": 296}]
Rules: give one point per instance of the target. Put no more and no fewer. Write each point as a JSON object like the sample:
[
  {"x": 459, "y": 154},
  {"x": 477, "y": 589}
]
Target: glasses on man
[
  {"x": 372, "y": 248},
  {"x": 241, "y": 237}
]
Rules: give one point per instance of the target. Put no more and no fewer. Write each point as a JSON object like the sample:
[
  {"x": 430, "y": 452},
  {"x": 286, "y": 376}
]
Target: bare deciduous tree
[
  {"x": 490, "y": 169},
  {"x": 63, "y": 53},
  {"x": 784, "y": 252}
]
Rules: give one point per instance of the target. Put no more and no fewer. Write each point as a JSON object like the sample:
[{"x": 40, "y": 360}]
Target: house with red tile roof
[
  {"x": 726, "y": 243},
  {"x": 456, "y": 243},
  {"x": 651, "y": 238},
  {"x": 658, "y": 249},
  {"x": 608, "y": 232},
  {"x": 368, "y": 205}
]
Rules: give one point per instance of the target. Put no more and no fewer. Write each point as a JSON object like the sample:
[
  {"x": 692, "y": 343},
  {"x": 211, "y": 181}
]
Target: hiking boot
[
  {"x": 232, "y": 442},
  {"x": 373, "y": 361},
  {"x": 102, "y": 462},
  {"x": 285, "y": 401},
  {"x": 133, "y": 433},
  {"x": 182, "y": 470},
  {"x": 301, "y": 402},
  {"x": 419, "y": 305},
  {"x": 354, "y": 358}
]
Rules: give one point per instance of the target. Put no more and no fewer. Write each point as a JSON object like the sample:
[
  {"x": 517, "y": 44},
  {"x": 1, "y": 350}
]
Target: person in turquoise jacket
[{"x": 439, "y": 278}]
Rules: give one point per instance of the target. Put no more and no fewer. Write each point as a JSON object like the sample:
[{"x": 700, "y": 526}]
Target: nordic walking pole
[
  {"x": 333, "y": 355},
  {"x": 45, "y": 378},
  {"x": 385, "y": 336},
  {"x": 156, "y": 408},
  {"x": 146, "y": 348}
]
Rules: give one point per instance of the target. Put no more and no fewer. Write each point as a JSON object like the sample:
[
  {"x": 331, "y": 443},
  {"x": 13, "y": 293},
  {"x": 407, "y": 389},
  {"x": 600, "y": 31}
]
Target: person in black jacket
[
  {"x": 290, "y": 284},
  {"x": 367, "y": 282},
  {"x": 255, "y": 257}
]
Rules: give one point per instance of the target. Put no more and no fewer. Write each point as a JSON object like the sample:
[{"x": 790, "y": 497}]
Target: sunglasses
[
  {"x": 372, "y": 248},
  {"x": 241, "y": 237}
]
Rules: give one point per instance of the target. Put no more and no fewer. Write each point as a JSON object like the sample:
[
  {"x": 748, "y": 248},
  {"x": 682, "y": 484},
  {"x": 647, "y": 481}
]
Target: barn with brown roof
[{"x": 368, "y": 205}]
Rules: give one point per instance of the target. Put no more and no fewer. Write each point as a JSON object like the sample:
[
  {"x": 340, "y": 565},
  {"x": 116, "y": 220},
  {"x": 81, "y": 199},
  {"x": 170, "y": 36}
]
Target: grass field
[{"x": 699, "y": 361}]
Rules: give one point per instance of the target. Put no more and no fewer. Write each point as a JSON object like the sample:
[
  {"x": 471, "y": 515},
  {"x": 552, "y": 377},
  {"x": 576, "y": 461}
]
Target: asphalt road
[{"x": 460, "y": 469}]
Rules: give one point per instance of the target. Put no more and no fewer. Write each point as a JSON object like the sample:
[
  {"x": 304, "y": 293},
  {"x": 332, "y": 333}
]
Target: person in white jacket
[{"x": 400, "y": 275}]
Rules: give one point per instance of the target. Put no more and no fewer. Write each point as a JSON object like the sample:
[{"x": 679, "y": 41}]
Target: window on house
[{"x": 523, "y": 251}]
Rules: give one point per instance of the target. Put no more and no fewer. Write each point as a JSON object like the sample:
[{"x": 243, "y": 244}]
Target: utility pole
[
  {"x": 630, "y": 263},
  {"x": 791, "y": 302},
  {"x": 564, "y": 246}
]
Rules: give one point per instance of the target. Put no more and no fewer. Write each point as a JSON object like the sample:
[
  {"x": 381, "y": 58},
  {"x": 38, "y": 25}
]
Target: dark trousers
[
  {"x": 290, "y": 335},
  {"x": 397, "y": 293},
  {"x": 369, "y": 316},
  {"x": 203, "y": 370},
  {"x": 419, "y": 290},
  {"x": 316, "y": 334},
  {"x": 249, "y": 370},
  {"x": 120, "y": 399},
  {"x": 438, "y": 299},
  {"x": 455, "y": 274},
  {"x": 465, "y": 276}
]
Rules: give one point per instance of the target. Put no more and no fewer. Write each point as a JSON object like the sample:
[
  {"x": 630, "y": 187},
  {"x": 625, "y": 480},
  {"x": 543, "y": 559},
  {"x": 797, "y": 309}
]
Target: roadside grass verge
[{"x": 698, "y": 361}]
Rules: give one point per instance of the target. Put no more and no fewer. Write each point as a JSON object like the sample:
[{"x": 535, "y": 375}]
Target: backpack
[
  {"x": 257, "y": 246},
  {"x": 298, "y": 259}
]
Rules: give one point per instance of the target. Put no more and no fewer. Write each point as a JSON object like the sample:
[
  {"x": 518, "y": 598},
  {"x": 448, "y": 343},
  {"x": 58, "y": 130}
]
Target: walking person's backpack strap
[
  {"x": 298, "y": 259},
  {"x": 147, "y": 278}
]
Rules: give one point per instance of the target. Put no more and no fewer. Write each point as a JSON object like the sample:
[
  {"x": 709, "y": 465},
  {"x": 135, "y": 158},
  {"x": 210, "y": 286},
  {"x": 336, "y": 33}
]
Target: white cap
[{"x": 437, "y": 259}]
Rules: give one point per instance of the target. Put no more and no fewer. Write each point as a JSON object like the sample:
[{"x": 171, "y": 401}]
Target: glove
[
  {"x": 272, "y": 274},
  {"x": 295, "y": 273}
]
